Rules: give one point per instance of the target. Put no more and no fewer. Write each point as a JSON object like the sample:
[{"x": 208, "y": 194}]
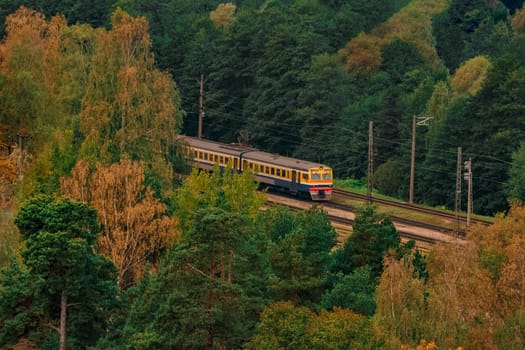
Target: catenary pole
[
  {"x": 412, "y": 161},
  {"x": 458, "y": 190},
  {"x": 370, "y": 160},
  {"x": 201, "y": 106}
]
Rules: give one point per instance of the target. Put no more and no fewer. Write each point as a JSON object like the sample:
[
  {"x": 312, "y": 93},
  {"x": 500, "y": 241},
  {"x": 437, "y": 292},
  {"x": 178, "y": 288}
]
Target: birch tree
[{"x": 135, "y": 226}]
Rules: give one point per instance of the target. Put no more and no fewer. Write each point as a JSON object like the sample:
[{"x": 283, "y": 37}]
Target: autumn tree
[
  {"x": 400, "y": 297},
  {"x": 60, "y": 284},
  {"x": 363, "y": 54},
  {"x": 30, "y": 65},
  {"x": 135, "y": 225},
  {"x": 130, "y": 109},
  {"x": 472, "y": 295},
  {"x": 470, "y": 76},
  {"x": 501, "y": 254},
  {"x": 461, "y": 297},
  {"x": 223, "y": 16}
]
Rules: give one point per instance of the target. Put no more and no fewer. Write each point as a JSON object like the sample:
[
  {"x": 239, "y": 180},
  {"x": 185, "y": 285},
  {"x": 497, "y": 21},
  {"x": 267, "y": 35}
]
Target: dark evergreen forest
[{"x": 97, "y": 225}]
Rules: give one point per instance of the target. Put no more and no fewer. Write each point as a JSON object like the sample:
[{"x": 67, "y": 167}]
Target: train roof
[
  {"x": 250, "y": 153},
  {"x": 233, "y": 149},
  {"x": 278, "y": 160}
]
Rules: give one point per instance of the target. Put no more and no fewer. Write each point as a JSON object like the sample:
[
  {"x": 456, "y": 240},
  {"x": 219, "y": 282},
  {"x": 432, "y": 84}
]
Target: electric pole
[
  {"x": 201, "y": 106},
  {"x": 421, "y": 121},
  {"x": 412, "y": 161},
  {"x": 468, "y": 177},
  {"x": 370, "y": 160},
  {"x": 458, "y": 190}
]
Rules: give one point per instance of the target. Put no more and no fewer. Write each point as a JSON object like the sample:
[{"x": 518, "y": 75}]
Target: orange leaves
[
  {"x": 363, "y": 54},
  {"x": 130, "y": 107},
  {"x": 223, "y": 16},
  {"x": 423, "y": 345},
  {"x": 131, "y": 36},
  {"x": 39, "y": 40},
  {"x": 473, "y": 289},
  {"x": 136, "y": 228},
  {"x": 518, "y": 21},
  {"x": 470, "y": 77},
  {"x": 400, "y": 300}
]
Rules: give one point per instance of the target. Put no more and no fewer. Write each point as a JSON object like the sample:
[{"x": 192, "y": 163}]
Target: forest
[{"x": 109, "y": 240}]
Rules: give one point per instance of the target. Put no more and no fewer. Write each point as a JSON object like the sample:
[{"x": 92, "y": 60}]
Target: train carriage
[
  {"x": 293, "y": 175},
  {"x": 299, "y": 177}
]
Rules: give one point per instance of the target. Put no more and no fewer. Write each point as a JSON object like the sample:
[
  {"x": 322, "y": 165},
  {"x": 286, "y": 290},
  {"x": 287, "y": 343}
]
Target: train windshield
[
  {"x": 321, "y": 174},
  {"x": 327, "y": 176}
]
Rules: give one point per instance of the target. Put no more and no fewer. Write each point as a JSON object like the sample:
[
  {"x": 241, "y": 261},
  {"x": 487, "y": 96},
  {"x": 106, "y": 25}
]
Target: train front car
[{"x": 319, "y": 183}]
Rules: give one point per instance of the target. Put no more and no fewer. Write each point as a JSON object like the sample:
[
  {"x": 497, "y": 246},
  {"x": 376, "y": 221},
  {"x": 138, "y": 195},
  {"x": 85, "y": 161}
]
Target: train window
[
  {"x": 266, "y": 170},
  {"x": 316, "y": 176},
  {"x": 216, "y": 158},
  {"x": 278, "y": 172},
  {"x": 305, "y": 176},
  {"x": 205, "y": 156},
  {"x": 221, "y": 159},
  {"x": 200, "y": 155},
  {"x": 272, "y": 171},
  {"x": 327, "y": 176}
]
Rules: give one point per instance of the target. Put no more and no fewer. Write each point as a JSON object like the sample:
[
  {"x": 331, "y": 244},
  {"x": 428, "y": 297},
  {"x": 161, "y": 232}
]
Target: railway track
[
  {"x": 404, "y": 234},
  {"x": 446, "y": 221}
]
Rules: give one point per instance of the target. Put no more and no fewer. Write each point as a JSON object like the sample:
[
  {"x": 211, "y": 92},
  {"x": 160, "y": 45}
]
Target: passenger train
[{"x": 298, "y": 177}]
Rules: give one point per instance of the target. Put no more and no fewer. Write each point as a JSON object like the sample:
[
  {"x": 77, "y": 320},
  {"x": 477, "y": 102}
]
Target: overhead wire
[{"x": 278, "y": 128}]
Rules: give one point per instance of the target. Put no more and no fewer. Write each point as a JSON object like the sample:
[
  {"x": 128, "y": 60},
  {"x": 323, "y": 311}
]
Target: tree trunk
[{"x": 63, "y": 315}]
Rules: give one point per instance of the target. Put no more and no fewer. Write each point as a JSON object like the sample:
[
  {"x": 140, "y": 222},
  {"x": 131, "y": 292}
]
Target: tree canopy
[{"x": 60, "y": 283}]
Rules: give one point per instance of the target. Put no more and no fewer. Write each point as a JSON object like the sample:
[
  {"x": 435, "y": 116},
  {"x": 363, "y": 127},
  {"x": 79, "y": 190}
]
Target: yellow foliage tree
[
  {"x": 130, "y": 110},
  {"x": 31, "y": 63},
  {"x": 469, "y": 78},
  {"x": 400, "y": 302},
  {"x": 363, "y": 54},
  {"x": 461, "y": 293},
  {"x": 518, "y": 21},
  {"x": 503, "y": 247},
  {"x": 40, "y": 39},
  {"x": 135, "y": 226},
  {"x": 223, "y": 16}
]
